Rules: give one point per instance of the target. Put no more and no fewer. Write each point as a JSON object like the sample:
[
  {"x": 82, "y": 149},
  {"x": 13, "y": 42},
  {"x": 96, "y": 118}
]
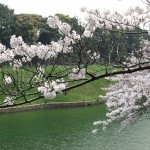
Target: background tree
[
  {"x": 47, "y": 34},
  {"x": 28, "y": 26},
  {"x": 110, "y": 40},
  {"x": 6, "y": 21}
]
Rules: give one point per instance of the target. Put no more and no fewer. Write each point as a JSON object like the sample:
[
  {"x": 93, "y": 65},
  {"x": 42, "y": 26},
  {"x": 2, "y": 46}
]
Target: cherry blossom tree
[
  {"x": 23, "y": 81},
  {"x": 129, "y": 97}
]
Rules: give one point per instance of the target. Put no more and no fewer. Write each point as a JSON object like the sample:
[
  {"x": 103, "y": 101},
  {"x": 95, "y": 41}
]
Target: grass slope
[{"x": 88, "y": 92}]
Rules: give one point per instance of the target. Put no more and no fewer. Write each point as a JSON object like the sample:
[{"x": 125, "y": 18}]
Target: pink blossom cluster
[
  {"x": 50, "y": 89},
  {"x": 127, "y": 99},
  {"x": 77, "y": 74}
]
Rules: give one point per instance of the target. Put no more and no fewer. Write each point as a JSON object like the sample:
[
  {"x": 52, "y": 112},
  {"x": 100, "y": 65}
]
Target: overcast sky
[{"x": 68, "y": 7}]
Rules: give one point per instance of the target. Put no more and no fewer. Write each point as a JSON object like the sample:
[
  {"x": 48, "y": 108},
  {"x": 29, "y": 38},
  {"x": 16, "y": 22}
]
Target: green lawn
[{"x": 88, "y": 92}]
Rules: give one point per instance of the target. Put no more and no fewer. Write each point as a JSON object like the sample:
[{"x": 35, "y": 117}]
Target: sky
[{"x": 67, "y": 7}]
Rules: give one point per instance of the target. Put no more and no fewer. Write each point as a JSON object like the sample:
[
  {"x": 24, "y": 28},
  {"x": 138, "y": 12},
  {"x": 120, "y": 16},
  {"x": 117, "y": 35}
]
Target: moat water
[{"x": 69, "y": 129}]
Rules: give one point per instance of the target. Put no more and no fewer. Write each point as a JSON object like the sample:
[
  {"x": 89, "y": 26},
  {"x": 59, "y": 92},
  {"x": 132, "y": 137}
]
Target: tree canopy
[
  {"x": 28, "y": 26},
  {"x": 6, "y": 21}
]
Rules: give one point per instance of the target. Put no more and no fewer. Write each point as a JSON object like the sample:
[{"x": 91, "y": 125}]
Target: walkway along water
[{"x": 50, "y": 106}]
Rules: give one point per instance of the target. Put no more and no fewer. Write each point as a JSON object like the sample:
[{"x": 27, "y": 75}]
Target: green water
[{"x": 68, "y": 129}]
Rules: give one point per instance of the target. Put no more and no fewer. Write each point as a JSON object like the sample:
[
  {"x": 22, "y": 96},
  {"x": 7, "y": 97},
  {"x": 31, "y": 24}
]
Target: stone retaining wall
[{"x": 49, "y": 106}]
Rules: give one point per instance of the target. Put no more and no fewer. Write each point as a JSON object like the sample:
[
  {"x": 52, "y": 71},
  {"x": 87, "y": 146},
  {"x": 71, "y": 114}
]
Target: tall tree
[
  {"x": 6, "y": 20},
  {"x": 28, "y": 26}
]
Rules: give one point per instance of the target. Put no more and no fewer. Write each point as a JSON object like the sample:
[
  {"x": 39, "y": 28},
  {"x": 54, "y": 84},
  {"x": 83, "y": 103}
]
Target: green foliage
[
  {"x": 28, "y": 26},
  {"x": 48, "y": 34},
  {"x": 133, "y": 40},
  {"x": 6, "y": 20},
  {"x": 115, "y": 45}
]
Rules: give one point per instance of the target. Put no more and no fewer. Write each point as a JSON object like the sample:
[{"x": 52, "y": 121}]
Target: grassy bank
[{"x": 88, "y": 92}]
